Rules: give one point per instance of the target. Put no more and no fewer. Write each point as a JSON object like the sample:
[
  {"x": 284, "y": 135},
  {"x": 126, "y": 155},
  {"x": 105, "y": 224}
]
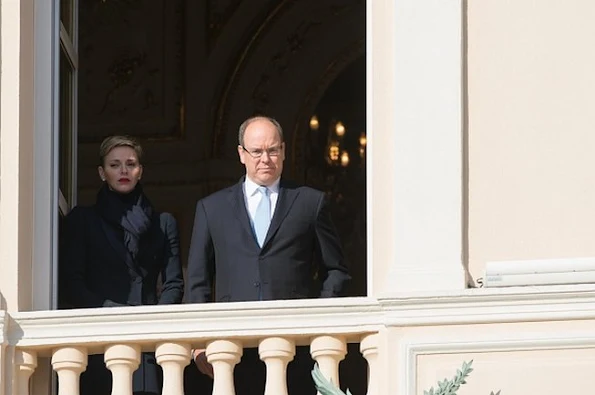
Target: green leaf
[
  {"x": 324, "y": 386},
  {"x": 450, "y": 387}
]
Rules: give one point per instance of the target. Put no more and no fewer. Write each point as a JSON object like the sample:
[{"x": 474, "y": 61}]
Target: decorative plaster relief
[{"x": 131, "y": 79}]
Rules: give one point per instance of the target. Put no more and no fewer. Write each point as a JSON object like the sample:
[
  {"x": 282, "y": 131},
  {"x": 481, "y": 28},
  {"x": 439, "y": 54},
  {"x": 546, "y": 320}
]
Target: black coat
[
  {"x": 96, "y": 270},
  {"x": 301, "y": 256}
]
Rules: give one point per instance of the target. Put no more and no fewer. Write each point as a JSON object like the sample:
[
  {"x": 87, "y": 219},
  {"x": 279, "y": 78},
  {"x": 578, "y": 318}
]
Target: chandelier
[{"x": 340, "y": 148}]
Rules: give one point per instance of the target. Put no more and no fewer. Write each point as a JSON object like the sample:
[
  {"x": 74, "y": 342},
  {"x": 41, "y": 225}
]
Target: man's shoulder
[
  {"x": 302, "y": 189},
  {"x": 220, "y": 195}
]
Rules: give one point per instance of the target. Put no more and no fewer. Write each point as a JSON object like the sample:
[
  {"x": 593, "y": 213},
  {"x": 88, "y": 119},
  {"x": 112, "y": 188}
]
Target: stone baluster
[
  {"x": 173, "y": 358},
  {"x": 25, "y": 363},
  {"x": 369, "y": 349},
  {"x": 122, "y": 360},
  {"x": 276, "y": 352},
  {"x": 223, "y": 355},
  {"x": 328, "y": 351},
  {"x": 69, "y": 363}
]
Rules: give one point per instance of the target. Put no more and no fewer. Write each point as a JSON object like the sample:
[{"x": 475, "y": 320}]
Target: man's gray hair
[{"x": 248, "y": 121}]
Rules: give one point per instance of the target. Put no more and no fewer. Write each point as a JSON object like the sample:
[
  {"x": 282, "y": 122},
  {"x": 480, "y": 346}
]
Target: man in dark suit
[{"x": 264, "y": 238}]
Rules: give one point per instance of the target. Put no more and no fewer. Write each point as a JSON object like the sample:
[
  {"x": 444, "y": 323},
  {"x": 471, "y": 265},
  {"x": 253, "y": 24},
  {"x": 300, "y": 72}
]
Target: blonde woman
[{"x": 114, "y": 253}]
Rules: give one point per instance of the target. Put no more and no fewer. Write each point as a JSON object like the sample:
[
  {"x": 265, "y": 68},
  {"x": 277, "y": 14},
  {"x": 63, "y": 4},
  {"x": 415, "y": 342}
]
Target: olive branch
[{"x": 444, "y": 387}]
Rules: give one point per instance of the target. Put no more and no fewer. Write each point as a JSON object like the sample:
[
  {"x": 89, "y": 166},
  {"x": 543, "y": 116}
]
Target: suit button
[{"x": 256, "y": 284}]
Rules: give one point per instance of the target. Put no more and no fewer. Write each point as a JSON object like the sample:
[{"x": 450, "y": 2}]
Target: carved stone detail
[
  {"x": 304, "y": 34},
  {"x": 219, "y": 12},
  {"x": 131, "y": 79},
  {"x": 294, "y": 42}
]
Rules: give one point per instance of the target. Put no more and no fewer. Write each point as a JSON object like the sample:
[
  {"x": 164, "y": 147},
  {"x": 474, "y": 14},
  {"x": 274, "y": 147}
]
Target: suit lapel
[
  {"x": 119, "y": 247},
  {"x": 285, "y": 200},
  {"x": 238, "y": 205}
]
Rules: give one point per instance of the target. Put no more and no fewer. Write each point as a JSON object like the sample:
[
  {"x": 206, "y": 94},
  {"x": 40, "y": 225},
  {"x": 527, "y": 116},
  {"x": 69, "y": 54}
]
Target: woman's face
[{"x": 121, "y": 170}]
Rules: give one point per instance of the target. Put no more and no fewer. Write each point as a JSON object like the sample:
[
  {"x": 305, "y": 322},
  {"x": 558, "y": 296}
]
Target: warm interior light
[
  {"x": 344, "y": 158},
  {"x": 340, "y": 129},
  {"x": 333, "y": 152},
  {"x": 362, "y": 140},
  {"x": 314, "y": 124}
]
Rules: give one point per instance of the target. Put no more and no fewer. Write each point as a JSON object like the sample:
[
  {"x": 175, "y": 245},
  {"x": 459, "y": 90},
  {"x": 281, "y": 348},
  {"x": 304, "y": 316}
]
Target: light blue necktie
[{"x": 262, "y": 217}]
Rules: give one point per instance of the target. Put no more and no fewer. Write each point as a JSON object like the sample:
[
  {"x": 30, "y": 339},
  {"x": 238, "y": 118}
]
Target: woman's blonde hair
[{"x": 111, "y": 142}]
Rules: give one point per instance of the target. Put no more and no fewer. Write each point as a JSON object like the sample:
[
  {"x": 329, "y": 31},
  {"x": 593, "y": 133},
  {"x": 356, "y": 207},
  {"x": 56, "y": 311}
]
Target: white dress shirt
[{"x": 252, "y": 196}]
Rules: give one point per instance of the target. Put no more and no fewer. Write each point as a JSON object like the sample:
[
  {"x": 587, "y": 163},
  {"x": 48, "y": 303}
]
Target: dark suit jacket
[
  {"x": 301, "y": 256},
  {"x": 96, "y": 270}
]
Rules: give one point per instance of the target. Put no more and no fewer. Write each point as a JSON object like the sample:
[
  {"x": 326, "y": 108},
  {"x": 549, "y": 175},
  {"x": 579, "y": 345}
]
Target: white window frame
[
  {"x": 415, "y": 68},
  {"x": 69, "y": 45},
  {"x": 49, "y": 34},
  {"x": 46, "y": 197}
]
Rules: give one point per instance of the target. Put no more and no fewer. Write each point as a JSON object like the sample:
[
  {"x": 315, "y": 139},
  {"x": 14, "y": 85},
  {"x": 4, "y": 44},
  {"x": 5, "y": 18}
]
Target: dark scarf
[{"x": 130, "y": 213}]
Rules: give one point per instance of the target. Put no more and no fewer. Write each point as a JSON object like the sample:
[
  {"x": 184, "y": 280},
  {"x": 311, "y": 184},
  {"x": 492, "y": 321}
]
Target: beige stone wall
[
  {"x": 541, "y": 363},
  {"x": 530, "y": 130},
  {"x": 16, "y": 155},
  {"x": 513, "y": 372}
]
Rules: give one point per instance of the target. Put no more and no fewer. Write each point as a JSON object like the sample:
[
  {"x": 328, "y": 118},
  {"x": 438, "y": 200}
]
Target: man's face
[{"x": 263, "y": 152}]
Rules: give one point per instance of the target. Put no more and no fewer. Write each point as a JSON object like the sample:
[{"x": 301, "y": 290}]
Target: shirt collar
[{"x": 252, "y": 187}]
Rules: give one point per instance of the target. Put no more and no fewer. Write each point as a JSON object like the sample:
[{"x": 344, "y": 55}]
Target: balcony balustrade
[
  {"x": 408, "y": 341},
  {"x": 223, "y": 330}
]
